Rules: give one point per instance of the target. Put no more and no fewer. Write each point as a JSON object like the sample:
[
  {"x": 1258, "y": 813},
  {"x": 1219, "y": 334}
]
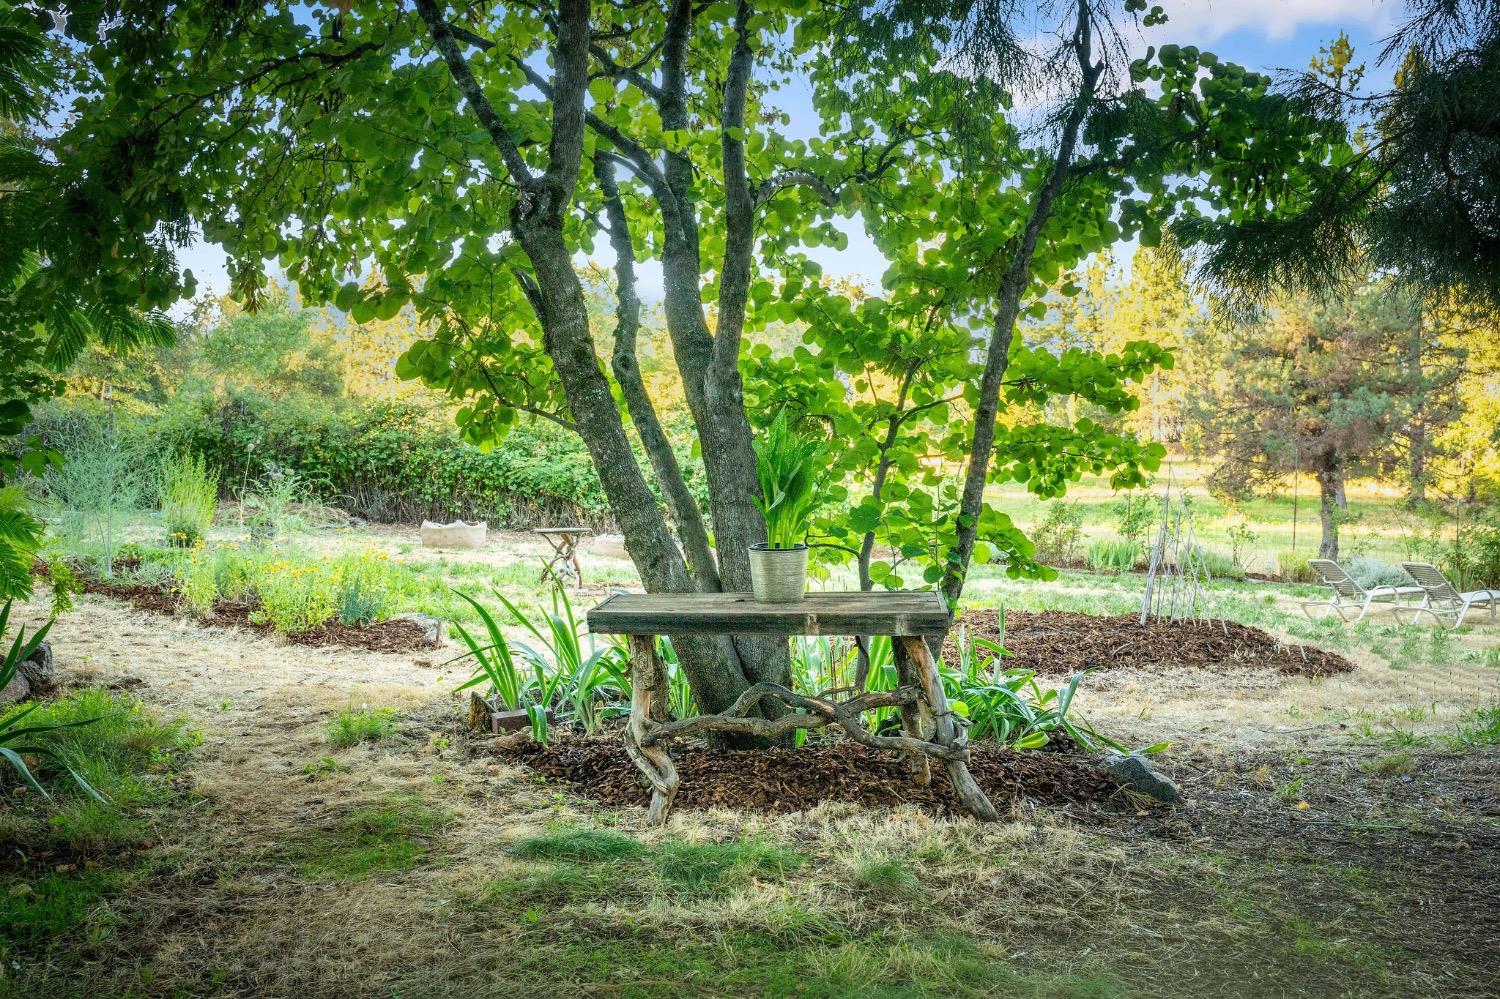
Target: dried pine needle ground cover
[{"x": 1339, "y": 839}]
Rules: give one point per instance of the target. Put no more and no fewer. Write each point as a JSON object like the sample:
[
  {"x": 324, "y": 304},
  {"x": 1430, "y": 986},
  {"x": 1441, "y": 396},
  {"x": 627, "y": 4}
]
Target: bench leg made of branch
[{"x": 929, "y": 727}]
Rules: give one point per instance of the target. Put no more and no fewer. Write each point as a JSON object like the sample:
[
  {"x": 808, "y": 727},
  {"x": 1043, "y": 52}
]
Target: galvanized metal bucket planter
[{"x": 778, "y": 575}]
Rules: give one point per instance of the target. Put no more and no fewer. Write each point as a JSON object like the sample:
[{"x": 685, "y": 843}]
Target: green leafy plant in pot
[{"x": 789, "y": 465}]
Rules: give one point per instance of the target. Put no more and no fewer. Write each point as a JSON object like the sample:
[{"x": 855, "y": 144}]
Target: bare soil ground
[{"x": 1305, "y": 862}]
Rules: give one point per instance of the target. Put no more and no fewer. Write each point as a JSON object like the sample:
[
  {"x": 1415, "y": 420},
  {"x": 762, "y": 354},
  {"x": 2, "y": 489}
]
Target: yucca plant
[
  {"x": 17, "y": 741},
  {"x": 789, "y": 465},
  {"x": 493, "y": 661},
  {"x": 572, "y": 671}
]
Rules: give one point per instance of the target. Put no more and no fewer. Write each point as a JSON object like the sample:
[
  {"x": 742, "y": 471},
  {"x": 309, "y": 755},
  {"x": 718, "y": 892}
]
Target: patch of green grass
[
  {"x": 43, "y": 911},
  {"x": 363, "y": 724},
  {"x": 126, "y": 753},
  {"x": 888, "y": 879},
  {"x": 1394, "y": 765},
  {"x": 638, "y": 964},
  {"x": 554, "y": 885},
  {"x": 393, "y": 835},
  {"x": 702, "y": 867},
  {"x": 582, "y": 845}
]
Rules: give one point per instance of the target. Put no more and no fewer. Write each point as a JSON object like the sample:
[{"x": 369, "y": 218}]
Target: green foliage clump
[
  {"x": 352, "y": 726},
  {"x": 1210, "y": 563},
  {"x": 592, "y": 845},
  {"x": 1059, "y": 533},
  {"x": 1372, "y": 572},
  {"x": 570, "y": 672},
  {"x": 96, "y": 487},
  {"x": 115, "y": 747},
  {"x": 1134, "y": 515},
  {"x": 1114, "y": 554},
  {"x": 789, "y": 465},
  {"x": 394, "y": 834},
  {"x": 703, "y": 867},
  {"x": 189, "y": 497},
  {"x": 1294, "y": 567}
]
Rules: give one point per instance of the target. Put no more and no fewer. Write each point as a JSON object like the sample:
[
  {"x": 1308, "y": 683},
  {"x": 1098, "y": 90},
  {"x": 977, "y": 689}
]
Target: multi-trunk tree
[{"x": 472, "y": 156}]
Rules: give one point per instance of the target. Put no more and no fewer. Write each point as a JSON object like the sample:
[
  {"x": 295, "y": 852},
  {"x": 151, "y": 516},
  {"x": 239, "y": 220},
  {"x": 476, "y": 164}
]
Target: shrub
[
  {"x": 1057, "y": 535},
  {"x": 1241, "y": 537},
  {"x": 235, "y": 570},
  {"x": 193, "y": 580},
  {"x": 1372, "y": 572},
  {"x": 1113, "y": 555},
  {"x": 189, "y": 497},
  {"x": 1294, "y": 568},
  {"x": 1210, "y": 563},
  {"x": 98, "y": 486},
  {"x": 295, "y": 597},
  {"x": 1134, "y": 514}
]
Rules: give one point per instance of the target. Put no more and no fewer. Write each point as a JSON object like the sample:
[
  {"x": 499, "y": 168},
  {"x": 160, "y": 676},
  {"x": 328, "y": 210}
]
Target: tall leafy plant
[
  {"x": 789, "y": 465},
  {"x": 189, "y": 497},
  {"x": 97, "y": 488}
]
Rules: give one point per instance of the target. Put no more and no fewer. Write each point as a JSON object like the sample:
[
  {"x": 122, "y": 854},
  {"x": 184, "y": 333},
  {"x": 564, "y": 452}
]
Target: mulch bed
[
  {"x": 383, "y": 636},
  {"x": 1067, "y": 641},
  {"x": 793, "y": 780}
]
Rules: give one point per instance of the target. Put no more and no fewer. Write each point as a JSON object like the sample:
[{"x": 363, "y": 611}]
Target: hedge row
[{"x": 386, "y": 462}]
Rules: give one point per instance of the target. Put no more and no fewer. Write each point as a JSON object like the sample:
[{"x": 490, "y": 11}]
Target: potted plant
[{"x": 788, "y": 464}]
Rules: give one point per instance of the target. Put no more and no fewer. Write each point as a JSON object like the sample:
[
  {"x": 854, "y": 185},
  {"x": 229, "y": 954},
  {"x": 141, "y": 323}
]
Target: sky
[{"x": 1262, "y": 35}]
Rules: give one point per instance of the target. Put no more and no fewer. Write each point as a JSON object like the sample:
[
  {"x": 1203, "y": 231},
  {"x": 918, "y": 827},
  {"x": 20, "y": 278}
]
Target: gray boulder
[
  {"x": 432, "y": 627},
  {"x": 39, "y": 669},
  {"x": 1133, "y": 772},
  {"x": 17, "y": 690}
]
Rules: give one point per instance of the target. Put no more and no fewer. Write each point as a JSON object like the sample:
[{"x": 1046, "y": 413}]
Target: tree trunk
[
  {"x": 1330, "y": 487},
  {"x": 1417, "y": 488},
  {"x": 1012, "y": 287}
]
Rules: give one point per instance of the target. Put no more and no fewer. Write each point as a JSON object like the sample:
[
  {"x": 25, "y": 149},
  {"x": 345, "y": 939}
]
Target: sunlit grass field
[{"x": 1377, "y": 523}]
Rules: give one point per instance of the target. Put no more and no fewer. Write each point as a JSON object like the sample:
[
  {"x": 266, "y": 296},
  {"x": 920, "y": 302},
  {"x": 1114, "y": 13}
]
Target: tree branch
[
  {"x": 626, "y": 367},
  {"x": 447, "y": 45}
]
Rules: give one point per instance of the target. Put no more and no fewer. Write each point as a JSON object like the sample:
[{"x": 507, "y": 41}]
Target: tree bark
[
  {"x": 1330, "y": 486},
  {"x": 627, "y": 372}
]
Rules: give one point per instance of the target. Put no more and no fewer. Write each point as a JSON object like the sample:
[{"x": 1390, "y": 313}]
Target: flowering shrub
[
  {"x": 193, "y": 579},
  {"x": 295, "y": 596}
]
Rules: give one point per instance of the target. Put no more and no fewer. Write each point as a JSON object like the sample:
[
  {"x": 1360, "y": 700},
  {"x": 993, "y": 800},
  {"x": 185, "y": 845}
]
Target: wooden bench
[{"x": 929, "y": 729}]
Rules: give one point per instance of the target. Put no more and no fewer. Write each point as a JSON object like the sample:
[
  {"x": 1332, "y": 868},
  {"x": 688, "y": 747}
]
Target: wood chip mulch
[
  {"x": 1068, "y": 641},
  {"x": 395, "y": 635},
  {"x": 793, "y": 780}
]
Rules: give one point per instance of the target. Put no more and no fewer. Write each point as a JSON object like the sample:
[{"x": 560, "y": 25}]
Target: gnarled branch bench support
[{"x": 929, "y": 728}]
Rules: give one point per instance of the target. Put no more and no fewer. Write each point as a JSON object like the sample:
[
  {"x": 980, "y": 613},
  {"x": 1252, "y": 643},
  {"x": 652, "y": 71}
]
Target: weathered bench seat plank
[{"x": 920, "y": 614}]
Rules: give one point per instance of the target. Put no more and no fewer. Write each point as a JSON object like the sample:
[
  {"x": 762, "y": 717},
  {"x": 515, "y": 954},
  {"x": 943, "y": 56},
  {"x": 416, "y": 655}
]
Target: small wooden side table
[{"x": 564, "y": 542}]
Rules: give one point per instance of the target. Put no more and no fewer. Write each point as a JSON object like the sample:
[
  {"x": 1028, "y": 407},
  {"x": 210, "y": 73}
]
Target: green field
[{"x": 1377, "y": 522}]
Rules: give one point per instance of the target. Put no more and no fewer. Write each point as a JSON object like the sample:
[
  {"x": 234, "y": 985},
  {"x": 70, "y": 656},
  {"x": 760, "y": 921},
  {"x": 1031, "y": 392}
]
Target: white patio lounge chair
[
  {"x": 1444, "y": 602},
  {"x": 1351, "y": 597}
]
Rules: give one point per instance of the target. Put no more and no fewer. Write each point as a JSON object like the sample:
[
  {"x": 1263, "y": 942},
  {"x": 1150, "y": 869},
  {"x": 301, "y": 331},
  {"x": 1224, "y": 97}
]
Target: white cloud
[{"x": 1275, "y": 20}]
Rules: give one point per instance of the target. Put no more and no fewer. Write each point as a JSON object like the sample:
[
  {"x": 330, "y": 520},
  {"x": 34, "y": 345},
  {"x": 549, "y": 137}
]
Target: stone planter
[
  {"x": 459, "y": 534},
  {"x": 778, "y": 575}
]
